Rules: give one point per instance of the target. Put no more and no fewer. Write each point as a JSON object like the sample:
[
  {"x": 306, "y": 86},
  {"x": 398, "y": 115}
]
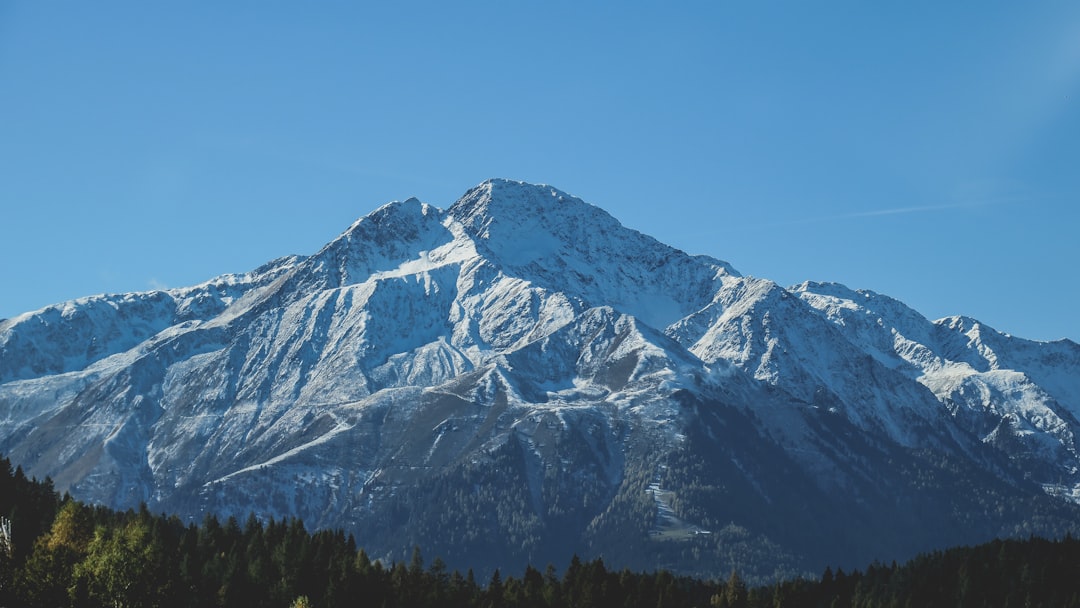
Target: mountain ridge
[{"x": 519, "y": 373}]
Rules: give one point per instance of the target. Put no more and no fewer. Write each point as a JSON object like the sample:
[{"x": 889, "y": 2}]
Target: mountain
[{"x": 519, "y": 377}]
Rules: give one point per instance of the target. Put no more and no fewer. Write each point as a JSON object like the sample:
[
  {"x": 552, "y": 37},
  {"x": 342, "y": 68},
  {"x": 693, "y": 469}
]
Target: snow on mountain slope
[
  {"x": 521, "y": 365},
  {"x": 772, "y": 335},
  {"x": 567, "y": 245},
  {"x": 1050, "y": 365},
  {"x": 73, "y": 335},
  {"x": 989, "y": 381}
]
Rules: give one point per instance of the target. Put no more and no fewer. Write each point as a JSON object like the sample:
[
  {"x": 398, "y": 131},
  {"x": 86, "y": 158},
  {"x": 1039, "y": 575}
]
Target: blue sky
[{"x": 928, "y": 151}]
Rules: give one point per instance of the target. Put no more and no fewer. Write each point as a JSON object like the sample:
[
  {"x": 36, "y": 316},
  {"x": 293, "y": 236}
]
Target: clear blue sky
[{"x": 929, "y": 151}]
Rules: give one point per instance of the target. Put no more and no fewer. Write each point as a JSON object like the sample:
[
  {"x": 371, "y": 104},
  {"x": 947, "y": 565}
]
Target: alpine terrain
[{"x": 519, "y": 377}]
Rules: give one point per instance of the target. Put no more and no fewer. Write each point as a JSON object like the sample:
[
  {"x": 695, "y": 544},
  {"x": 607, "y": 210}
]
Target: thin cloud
[
  {"x": 897, "y": 211},
  {"x": 874, "y": 213}
]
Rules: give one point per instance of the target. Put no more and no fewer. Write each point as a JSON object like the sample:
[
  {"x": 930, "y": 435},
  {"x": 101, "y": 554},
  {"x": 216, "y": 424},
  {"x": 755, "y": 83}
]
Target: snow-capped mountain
[{"x": 518, "y": 377}]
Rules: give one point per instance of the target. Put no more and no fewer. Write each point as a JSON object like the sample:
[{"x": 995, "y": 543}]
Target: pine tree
[
  {"x": 735, "y": 593},
  {"x": 495, "y": 590}
]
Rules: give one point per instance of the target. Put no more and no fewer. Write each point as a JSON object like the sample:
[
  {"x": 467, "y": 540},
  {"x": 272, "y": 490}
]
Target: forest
[{"x": 57, "y": 551}]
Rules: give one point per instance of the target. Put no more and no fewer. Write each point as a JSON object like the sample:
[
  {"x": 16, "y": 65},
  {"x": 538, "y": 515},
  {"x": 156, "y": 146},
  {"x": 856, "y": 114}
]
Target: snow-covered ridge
[
  {"x": 423, "y": 339},
  {"x": 70, "y": 336},
  {"x": 562, "y": 243}
]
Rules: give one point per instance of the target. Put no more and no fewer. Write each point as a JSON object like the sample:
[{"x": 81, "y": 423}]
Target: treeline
[
  {"x": 65, "y": 553},
  {"x": 1032, "y": 572}
]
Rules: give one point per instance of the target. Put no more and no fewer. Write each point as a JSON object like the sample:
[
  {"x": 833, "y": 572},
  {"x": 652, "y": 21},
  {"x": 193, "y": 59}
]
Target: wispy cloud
[
  {"x": 973, "y": 202},
  {"x": 899, "y": 211},
  {"x": 155, "y": 284}
]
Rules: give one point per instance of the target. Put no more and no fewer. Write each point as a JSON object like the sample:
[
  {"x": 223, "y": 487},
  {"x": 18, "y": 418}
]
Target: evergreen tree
[
  {"x": 735, "y": 593},
  {"x": 495, "y": 591}
]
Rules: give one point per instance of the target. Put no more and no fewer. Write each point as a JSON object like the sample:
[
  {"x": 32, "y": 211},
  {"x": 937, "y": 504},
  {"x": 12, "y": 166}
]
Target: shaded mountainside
[{"x": 519, "y": 377}]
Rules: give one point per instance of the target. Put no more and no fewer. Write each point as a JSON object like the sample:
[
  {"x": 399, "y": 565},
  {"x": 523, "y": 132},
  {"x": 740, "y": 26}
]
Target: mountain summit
[{"x": 519, "y": 377}]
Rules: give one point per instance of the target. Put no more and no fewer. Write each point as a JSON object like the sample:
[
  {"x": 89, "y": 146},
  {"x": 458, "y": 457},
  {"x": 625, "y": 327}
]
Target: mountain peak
[
  {"x": 556, "y": 240},
  {"x": 498, "y": 201},
  {"x": 523, "y": 363}
]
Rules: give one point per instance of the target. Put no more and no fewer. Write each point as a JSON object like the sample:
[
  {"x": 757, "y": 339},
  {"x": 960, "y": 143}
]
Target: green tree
[
  {"x": 46, "y": 578},
  {"x": 735, "y": 592},
  {"x": 122, "y": 566},
  {"x": 495, "y": 590}
]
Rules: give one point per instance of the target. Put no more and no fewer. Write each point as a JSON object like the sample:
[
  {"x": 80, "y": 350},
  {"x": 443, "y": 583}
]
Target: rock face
[{"x": 519, "y": 377}]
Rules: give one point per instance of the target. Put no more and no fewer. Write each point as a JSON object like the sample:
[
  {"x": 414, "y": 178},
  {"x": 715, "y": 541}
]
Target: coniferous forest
[{"x": 56, "y": 551}]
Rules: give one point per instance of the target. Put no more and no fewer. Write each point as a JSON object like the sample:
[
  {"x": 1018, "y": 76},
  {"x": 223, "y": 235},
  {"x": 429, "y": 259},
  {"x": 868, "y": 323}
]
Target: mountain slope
[{"x": 518, "y": 376}]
